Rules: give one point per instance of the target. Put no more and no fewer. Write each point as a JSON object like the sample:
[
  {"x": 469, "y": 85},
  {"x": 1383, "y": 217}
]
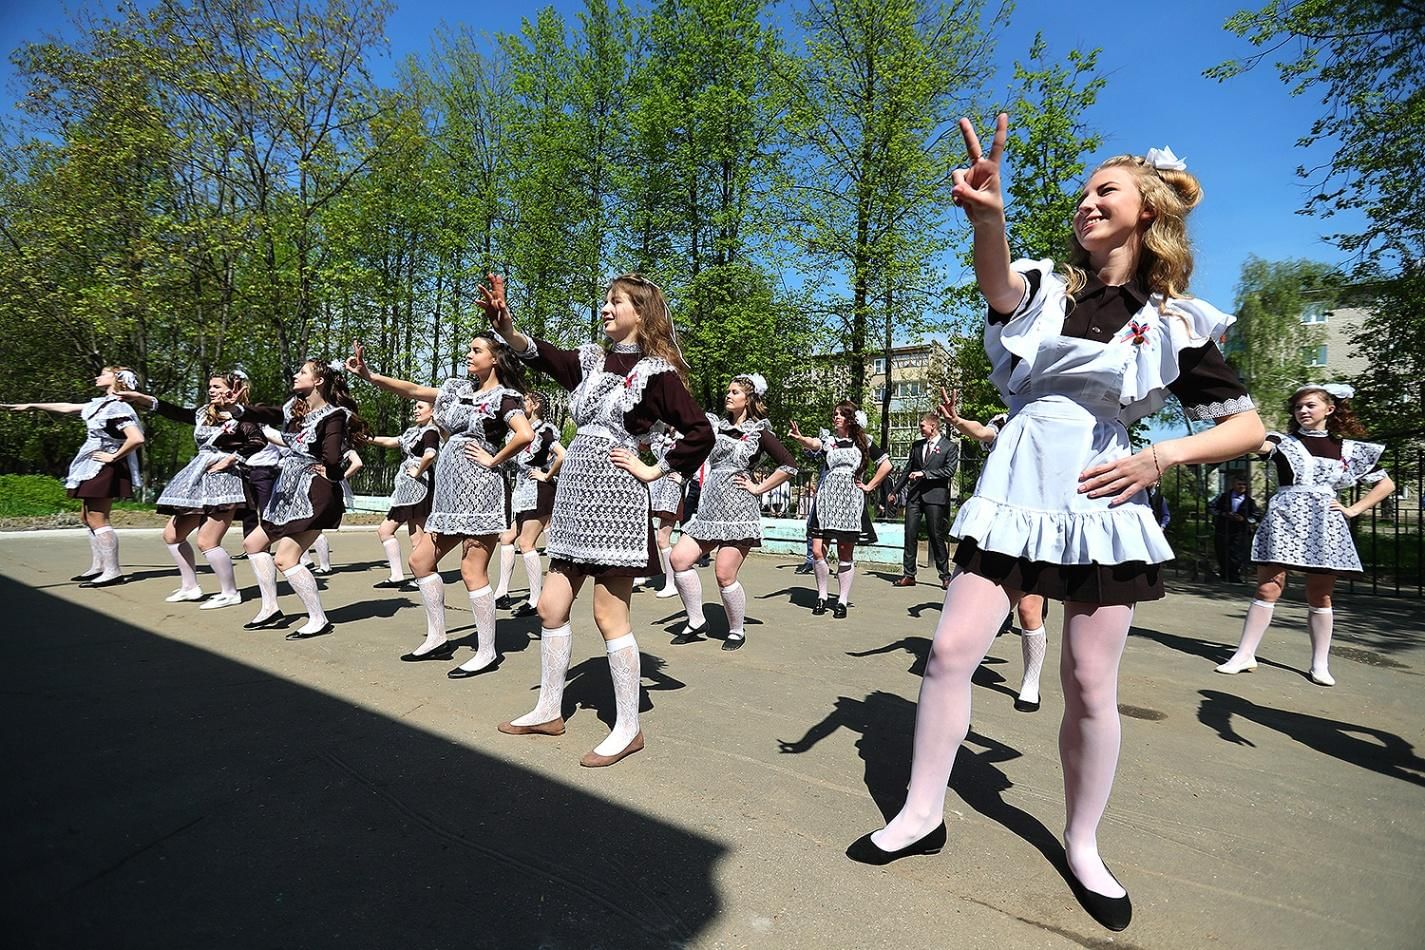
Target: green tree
[{"x": 1366, "y": 64}]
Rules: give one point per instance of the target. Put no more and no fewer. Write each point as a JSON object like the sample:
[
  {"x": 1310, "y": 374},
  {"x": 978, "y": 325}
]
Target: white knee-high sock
[
  {"x": 1319, "y": 621},
  {"x": 507, "y": 570},
  {"x": 554, "y": 649},
  {"x": 625, "y": 670},
  {"x": 534, "y": 570},
  {"x": 96, "y": 559},
  {"x": 1032, "y": 644},
  {"x": 1254, "y": 627},
  {"x": 845, "y": 573},
  {"x": 264, "y": 568},
  {"x": 392, "y": 547},
  {"x": 482, "y": 604},
  {"x": 108, "y": 543},
  {"x": 664, "y": 555},
  {"x": 1089, "y": 735},
  {"x": 969, "y": 621},
  {"x": 690, "y": 589},
  {"x": 324, "y": 552},
  {"x": 304, "y": 585},
  {"x": 734, "y": 603},
  {"x": 222, "y": 564},
  {"x": 182, "y": 553},
  {"x": 432, "y": 590},
  {"x": 823, "y": 575}
]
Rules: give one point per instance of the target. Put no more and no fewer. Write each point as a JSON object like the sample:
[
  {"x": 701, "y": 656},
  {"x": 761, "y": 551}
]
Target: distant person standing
[
  {"x": 1233, "y": 515},
  {"x": 926, "y": 487}
]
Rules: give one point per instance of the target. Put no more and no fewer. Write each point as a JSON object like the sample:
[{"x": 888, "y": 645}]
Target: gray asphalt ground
[{"x": 174, "y": 781}]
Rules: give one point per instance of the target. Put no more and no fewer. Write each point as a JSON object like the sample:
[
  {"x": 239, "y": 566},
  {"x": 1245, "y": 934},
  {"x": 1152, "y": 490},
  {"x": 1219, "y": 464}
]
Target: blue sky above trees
[{"x": 1239, "y": 137}]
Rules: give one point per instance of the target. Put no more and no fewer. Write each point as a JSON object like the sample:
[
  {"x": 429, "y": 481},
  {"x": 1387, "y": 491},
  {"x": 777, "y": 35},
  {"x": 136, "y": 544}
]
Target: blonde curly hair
[{"x": 1165, "y": 263}]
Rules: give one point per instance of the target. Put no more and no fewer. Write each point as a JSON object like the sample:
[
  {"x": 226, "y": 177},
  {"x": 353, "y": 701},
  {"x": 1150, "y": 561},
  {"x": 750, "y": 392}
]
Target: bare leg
[{"x": 682, "y": 559}]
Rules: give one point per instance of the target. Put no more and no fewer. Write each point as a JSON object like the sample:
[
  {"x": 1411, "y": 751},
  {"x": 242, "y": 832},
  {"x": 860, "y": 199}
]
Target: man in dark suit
[
  {"x": 1233, "y": 513},
  {"x": 926, "y": 488}
]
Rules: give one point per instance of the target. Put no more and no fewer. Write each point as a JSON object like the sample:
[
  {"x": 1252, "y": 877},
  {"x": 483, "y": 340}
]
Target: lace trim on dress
[{"x": 1216, "y": 410}]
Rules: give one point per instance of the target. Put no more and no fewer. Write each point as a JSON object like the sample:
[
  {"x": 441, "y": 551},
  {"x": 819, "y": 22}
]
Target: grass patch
[{"x": 37, "y": 496}]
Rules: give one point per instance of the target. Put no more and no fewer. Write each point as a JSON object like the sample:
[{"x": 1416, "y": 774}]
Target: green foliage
[
  {"x": 1365, "y": 62},
  {"x": 36, "y": 496},
  {"x": 1265, "y": 345}
]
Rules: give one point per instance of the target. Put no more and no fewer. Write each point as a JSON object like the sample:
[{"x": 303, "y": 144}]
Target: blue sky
[{"x": 1238, "y": 137}]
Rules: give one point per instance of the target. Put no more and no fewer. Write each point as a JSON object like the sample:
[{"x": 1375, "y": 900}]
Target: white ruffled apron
[
  {"x": 1026, "y": 503},
  {"x": 405, "y": 490},
  {"x": 292, "y": 493},
  {"x": 601, "y": 512},
  {"x": 726, "y": 510},
  {"x": 97, "y": 414},
  {"x": 1300, "y": 528},
  {"x": 839, "y": 503},
  {"x": 194, "y": 487},
  {"x": 666, "y": 494},
  {"x": 469, "y": 498}
]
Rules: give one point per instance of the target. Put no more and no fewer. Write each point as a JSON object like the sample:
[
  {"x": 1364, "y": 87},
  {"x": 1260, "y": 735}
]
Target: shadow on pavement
[
  {"x": 1361, "y": 746},
  {"x": 164, "y": 796}
]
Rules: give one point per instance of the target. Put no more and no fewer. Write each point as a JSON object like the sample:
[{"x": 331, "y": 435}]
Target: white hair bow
[
  {"x": 239, "y": 372},
  {"x": 128, "y": 377},
  {"x": 336, "y": 366},
  {"x": 1163, "y": 159},
  {"x": 1334, "y": 390},
  {"x": 861, "y": 418},
  {"x": 758, "y": 381}
]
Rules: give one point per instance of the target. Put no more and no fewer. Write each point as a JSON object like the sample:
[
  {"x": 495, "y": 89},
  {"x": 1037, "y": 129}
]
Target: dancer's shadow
[
  {"x": 919, "y": 650},
  {"x": 799, "y": 596},
  {"x": 713, "y": 613},
  {"x": 1361, "y": 746},
  {"x": 916, "y": 610},
  {"x": 590, "y": 687},
  {"x": 366, "y": 609},
  {"x": 1214, "y": 653},
  {"x": 886, "y": 724}
]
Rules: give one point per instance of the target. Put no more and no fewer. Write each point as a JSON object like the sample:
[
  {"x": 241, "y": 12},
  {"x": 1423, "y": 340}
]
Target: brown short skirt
[
  {"x": 1108, "y": 584},
  {"x": 113, "y": 481}
]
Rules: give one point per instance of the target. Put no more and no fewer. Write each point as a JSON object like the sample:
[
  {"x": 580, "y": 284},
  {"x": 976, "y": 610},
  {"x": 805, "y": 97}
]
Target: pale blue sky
[{"x": 1238, "y": 137}]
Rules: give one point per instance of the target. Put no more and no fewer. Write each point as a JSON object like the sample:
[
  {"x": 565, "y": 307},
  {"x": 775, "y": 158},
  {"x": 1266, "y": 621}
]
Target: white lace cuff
[{"x": 1216, "y": 410}]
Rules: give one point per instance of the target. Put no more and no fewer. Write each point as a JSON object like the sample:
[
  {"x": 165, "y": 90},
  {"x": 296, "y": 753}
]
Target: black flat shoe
[
  {"x": 733, "y": 643},
  {"x": 390, "y": 585},
  {"x": 443, "y": 652},
  {"x": 802, "y": 569},
  {"x": 459, "y": 674},
  {"x": 1023, "y": 706},
  {"x": 505, "y": 602},
  {"x": 819, "y": 609},
  {"x": 111, "y": 582},
  {"x": 85, "y": 577},
  {"x": 689, "y": 635},
  {"x": 1115, "y": 913},
  {"x": 866, "y": 851},
  {"x": 327, "y": 628},
  {"x": 526, "y": 610},
  {"x": 266, "y": 623},
  {"x": 838, "y": 610}
]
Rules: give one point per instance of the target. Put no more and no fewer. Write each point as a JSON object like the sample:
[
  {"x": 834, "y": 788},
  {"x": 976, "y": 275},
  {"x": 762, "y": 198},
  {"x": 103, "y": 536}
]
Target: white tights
[{"x": 1093, "y": 641}]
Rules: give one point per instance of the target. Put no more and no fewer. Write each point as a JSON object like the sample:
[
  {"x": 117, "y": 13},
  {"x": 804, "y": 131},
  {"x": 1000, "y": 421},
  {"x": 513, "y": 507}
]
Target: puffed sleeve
[
  {"x": 776, "y": 451},
  {"x": 877, "y": 455},
  {"x": 1206, "y": 386},
  {"x": 124, "y": 416},
  {"x": 559, "y": 364},
  {"x": 260, "y": 414},
  {"x": 511, "y": 405},
  {"x": 997, "y": 422},
  {"x": 672, "y": 404},
  {"x": 1033, "y": 279},
  {"x": 430, "y": 442},
  {"x": 333, "y": 445}
]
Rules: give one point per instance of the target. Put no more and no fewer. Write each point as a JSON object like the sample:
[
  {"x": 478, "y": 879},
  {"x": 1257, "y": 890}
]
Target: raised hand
[
  {"x": 946, "y": 409},
  {"x": 356, "y": 362},
  {"x": 16, "y": 406},
  {"x": 977, "y": 189},
  {"x": 497, "y": 309}
]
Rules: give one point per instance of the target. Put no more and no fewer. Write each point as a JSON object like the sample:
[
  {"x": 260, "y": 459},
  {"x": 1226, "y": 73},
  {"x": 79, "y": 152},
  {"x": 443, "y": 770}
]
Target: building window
[
  {"x": 1314, "y": 355},
  {"x": 879, "y": 366},
  {"x": 1314, "y": 313}
]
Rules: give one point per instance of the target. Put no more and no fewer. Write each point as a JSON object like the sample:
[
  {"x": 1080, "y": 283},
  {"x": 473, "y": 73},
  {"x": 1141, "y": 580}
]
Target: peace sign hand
[
  {"x": 978, "y": 189},
  {"x": 356, "y": 362},
  {"x": 946, "y": 409},
  {"x": 497, "y": 309}
]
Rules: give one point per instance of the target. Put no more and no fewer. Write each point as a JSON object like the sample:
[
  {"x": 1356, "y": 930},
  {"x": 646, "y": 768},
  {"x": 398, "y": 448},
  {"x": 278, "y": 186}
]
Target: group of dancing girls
[{"x": 1078, "y": 351}]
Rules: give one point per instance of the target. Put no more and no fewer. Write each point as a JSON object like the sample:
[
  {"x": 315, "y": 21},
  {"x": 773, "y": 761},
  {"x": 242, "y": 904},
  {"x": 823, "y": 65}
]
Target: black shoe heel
[
  {"x": 1114, "y": 913},
  {"x": 1021, "y": 705},
  {"x": 819, "y": 609},
  {"x": 865, "y": 851},
  {"x": 299, "y": 635}
]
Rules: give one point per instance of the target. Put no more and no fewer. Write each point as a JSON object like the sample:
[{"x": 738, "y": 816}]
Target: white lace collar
[
  {"x": 1313, "y": 433},
  {"x": 625, "y": 348}
]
